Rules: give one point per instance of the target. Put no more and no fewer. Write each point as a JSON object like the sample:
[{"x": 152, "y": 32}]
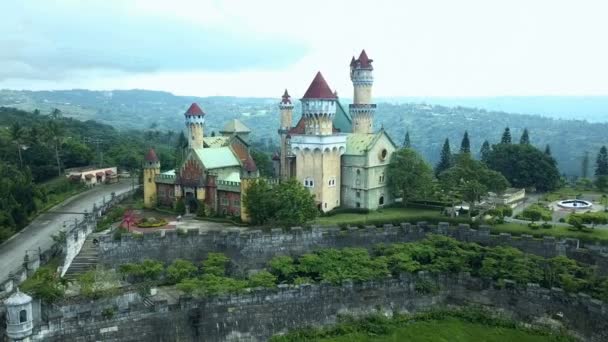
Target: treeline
[
  {"x": 36, "y": 148},
  {"x": 459, "y": 176}
]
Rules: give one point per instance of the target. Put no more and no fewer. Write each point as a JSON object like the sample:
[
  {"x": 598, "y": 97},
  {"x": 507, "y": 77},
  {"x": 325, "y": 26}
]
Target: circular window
[{"x": 383, "y": 154}]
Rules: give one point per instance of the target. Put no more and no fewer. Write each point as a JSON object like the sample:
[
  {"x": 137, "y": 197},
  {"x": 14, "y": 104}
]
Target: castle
[{"x": 335, "y": 154}]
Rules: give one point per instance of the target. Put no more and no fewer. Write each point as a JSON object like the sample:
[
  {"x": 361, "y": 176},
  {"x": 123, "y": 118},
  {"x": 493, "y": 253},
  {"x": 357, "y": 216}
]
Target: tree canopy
[
  {"x": 465, "y": 145},
  {"x": 506, "y": 136},
  {"x": 446, "y": 159},
  {"x": 409, "y": 176},
  {"x": 524, "y": 166},
  {"x": 288, "y": 204},
  {"x": 525, "y": 137}
]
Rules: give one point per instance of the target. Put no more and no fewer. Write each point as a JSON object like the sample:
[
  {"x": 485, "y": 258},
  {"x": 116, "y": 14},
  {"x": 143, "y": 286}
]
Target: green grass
[
  {"x": 557, "y": 231},
  {"x": 568, "y": 192},
  {"x": 452, "y": 330},
  {"x": 388, "y": 214}
]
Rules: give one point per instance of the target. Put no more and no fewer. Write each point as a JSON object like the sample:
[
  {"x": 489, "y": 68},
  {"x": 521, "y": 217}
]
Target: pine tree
[
  {"x": 525, "y": 138},
  {"x": 406, "y": 142},
  {"x": 485, "y": 151},
  {"x": 465, "y": 145},
  {"x": 445, "y": 162},
  {"x": 548, "y": 150},
  {"x": 601, "y": 168},
  {"x": 585, "y": 165},
  {"x": 506, "y": 136}
]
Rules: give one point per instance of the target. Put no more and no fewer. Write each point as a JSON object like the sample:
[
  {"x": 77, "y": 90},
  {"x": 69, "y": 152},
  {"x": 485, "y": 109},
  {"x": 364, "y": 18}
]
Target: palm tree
[
  {"x": 55, "y": 134},
  {"x": 17, "y": 134}
]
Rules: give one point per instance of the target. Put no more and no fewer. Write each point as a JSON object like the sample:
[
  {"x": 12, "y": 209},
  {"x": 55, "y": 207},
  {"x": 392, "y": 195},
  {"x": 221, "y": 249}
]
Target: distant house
[
  {"x": 92, "y": 175},
  {"x": 511, "y": 197}
]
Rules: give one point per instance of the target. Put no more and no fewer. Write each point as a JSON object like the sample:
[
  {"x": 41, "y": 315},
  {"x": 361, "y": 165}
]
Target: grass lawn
[
  {"x": 568, "y": 192},
  {"x": 388, "y": 214},
  {"x": 452, "y": 330},
  {"x": 557, "y": 231}
]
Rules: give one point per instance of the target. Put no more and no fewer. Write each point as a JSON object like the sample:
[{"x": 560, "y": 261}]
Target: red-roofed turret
[
  {"x": 362, "y": 110},
  {"x": 319, "y": 89},
  {"x": 151, "y": 156},
  {"x": 194, "y": 110}
]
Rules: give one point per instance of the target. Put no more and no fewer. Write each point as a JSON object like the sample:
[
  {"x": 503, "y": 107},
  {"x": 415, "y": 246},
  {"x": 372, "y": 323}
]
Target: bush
[
  {"x": 152, "y": 222},
  {"x": 215, "y": 264},
  {"x": 179, "y": 270},
  {"x": 263, "y": 279},
  {"x": 45, "y": 284},
  {"x": 546, "y": 225},
  {"x": 562, "y": 220},
  {"x": 180, "y": 207},
  {"x": 148, "y": 270},
  {"x": 534, "y": 225}
]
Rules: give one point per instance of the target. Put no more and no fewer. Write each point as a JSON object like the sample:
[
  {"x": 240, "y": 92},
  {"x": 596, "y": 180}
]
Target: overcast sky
[{"x": 258, "y": 48}]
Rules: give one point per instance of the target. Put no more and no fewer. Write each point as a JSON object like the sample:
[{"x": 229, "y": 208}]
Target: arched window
[
  {"x": 309, "y": 182},
  {"x": 381, "y": 200},
  {"x": 23, "y": 316}
]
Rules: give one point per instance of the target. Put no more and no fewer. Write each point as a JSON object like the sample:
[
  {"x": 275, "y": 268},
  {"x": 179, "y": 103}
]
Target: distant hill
[{"x": 429, "y": 124}]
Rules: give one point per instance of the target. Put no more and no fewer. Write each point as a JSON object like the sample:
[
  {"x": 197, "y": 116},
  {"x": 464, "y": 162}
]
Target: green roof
[
  {"x": 217, "y": 157},
  {"x": 235, "y": 126},
  {"x": 219, "y": 141},
  {"x": 232, "y": 177},
  {"x": 342, "y": 120},
  {"x": 359, "y": 143}
]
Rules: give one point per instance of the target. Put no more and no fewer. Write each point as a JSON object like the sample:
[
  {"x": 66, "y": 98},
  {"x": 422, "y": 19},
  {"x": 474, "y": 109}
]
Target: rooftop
[
  {"x": 319, "y": 89},
  {"x": 194, "y": 110},
  {"x": 217, "y": 157},
  {"x": 235, "y": 126},
  {"x": 151, "y": 156}
]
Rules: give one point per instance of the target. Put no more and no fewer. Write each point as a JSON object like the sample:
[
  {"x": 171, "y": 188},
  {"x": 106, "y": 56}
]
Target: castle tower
[
  {"x": 151, "y": 169},
  {"x": 362, "y": 110},
  {"x": 318, "y": 148},
  {"x": 19, "y": 316},
  {"x": 195, "y": 120},
  {"x": 286, "y": 108}
]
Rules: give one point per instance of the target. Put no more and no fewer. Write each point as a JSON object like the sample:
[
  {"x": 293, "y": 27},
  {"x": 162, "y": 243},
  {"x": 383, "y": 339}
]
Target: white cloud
[{"x": 433, "y": 47}]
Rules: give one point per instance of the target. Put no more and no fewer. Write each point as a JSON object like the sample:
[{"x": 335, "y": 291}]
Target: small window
[
  {"x": 358, "y": 205},
  {"x": 358, "y": 194},
  {"x": 381, "y": 200},
  {"x": 309, "y": 182},
  {"x": 23, "y": 316},
  {"x": 224, "y": 201},
  {"x": 381, "y": 178},
  {"x": 236, "y": 203},
  {"x": 383, "y": 154},
  {"x": 326, "y": 205},
  {"x": 332, "y": 181},
  {"x": 149, "y": 180},
  {"x": 358, "y": 172}
]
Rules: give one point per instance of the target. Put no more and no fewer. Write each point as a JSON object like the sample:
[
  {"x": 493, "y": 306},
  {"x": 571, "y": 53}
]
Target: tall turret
[
  {"x": 318, "y": 107},
  {"x": 286, "y": 108},
  {"x": 151, "y": 169},
  {"x": 362, "y": 110},
  {"x": 195, "y": 120},
  {"x": 317, "y": 148}
]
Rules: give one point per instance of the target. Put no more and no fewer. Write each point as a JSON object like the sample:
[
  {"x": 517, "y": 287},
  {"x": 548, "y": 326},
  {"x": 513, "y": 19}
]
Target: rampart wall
[
  {"x": 252, "y": 249},
  {"x": 257, "y": 315}
]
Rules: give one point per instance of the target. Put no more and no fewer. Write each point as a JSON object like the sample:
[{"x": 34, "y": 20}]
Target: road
[{"x": 40, "y": 231}]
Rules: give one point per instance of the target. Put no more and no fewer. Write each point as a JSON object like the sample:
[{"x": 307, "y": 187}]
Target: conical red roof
[
  {"x": 286, "y": 98},
  {"x": 151, "y": 156},
  {"x": 364, "y": 61},
  {"x": 195, "y": 110},
  {"x": 319, "y": 89}
]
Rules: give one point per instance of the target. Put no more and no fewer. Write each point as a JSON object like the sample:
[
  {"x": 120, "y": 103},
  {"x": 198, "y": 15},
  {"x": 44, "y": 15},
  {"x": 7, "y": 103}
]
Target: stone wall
[
  {"x": 258, "y": 315},
  {"x": 252, "y": 249}
]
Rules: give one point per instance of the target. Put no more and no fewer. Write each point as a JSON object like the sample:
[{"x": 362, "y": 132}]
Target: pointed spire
[
  {"x": 194, "y": 110},
  {"x": 364, "y": 62},
  {"x": 319, "y": 89},
  {"x": 353, "y": 61},
  {"x": 151, "y": 156},
  {"x": 286, "y": 98},
  {"x": 336, "y": 93}
]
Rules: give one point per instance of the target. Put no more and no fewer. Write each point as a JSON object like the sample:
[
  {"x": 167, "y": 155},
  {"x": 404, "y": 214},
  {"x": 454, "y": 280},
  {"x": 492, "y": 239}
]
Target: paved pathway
[{"x": 40, "y": 231}]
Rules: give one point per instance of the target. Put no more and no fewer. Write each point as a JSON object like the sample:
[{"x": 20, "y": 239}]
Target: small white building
[
  {"x": 19, "y": 316},
  {"x": 93, "y": 176},
  {"x": 510, "y": 197}
]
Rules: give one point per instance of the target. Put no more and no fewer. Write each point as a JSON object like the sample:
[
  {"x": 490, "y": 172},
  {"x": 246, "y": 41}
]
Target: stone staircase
[{"x": 85, "y": 260}]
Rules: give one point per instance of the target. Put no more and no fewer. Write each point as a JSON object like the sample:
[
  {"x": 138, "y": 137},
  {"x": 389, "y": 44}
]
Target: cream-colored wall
[
  {"x": 150, "y": 187},
  {"x": 196, "y": 135},
  {"x": 362, "y": 124},
  {"x": 321, "y": 167},
  {"x": 286, "y": 117},
  {"x": 362, "y": 94},
  {"x": 322, "y": 125}
]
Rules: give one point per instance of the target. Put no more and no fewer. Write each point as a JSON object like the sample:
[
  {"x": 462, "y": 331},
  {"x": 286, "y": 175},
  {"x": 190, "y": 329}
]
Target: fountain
[{"x": 575, "y": 204}]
